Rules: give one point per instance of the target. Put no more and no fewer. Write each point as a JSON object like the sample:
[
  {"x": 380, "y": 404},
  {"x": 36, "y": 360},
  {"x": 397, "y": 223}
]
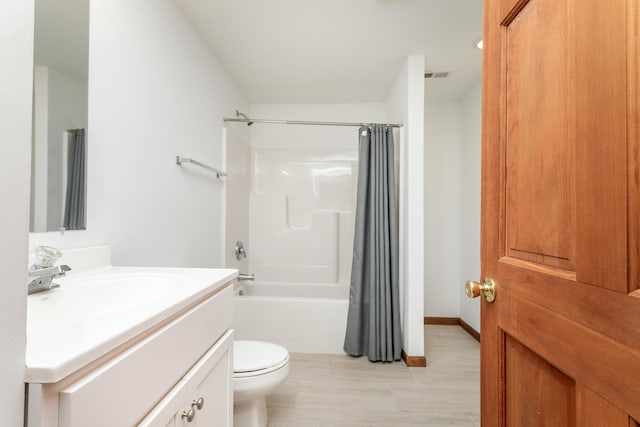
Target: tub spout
[{"x": 244, "y": 276}]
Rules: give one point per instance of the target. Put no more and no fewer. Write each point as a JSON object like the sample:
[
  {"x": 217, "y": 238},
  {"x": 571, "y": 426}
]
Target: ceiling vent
[{"x": 436, "y": 75}]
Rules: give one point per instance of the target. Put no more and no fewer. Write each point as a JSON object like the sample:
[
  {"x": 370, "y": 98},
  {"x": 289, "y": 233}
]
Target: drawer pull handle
[
  {"x": 189, "y": 416},
  {"x": 199, "y": 404}
]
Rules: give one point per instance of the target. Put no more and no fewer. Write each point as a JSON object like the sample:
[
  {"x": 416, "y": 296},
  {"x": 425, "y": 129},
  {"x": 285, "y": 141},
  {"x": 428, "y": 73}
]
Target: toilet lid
[{"x": 251, "y": 356}]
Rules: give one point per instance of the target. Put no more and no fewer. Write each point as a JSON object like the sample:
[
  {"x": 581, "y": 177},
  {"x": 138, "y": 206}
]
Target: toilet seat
[{"x": 254, "y": 358}]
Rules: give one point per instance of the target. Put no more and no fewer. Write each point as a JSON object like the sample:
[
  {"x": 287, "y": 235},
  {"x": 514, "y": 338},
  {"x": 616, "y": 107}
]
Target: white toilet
[{"x": 258, "y": 368}]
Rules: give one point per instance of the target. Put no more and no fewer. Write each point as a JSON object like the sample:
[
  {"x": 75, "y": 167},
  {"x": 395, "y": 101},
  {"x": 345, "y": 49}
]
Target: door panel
[
  {"x": 561, "y": 213},
  {"x": 594, "y": 411},
  {"x": 538, "y": 394},
  {"x": 601, "y": 148},
  {"x": 576, "y": 350},
  {"x": 540, "y": 208}
]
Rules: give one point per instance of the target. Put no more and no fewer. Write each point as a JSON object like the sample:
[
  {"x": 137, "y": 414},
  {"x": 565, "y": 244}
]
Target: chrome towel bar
[{"x": 181, "y": 160}]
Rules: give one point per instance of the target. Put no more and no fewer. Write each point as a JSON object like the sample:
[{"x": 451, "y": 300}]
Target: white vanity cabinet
[
  {"x": 203, "y": 397},
  {"x": 174, "y": 367}
]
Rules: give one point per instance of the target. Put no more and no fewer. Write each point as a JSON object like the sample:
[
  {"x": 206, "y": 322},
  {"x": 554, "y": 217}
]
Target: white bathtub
[{"x": 304, "y": 318}]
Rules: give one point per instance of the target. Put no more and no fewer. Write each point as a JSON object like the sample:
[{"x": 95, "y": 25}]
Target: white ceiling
[{"x": 339, "y": 51}]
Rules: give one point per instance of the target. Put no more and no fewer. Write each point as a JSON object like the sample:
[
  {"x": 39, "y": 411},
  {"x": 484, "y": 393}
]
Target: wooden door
[{"x": 561, "y": 213}]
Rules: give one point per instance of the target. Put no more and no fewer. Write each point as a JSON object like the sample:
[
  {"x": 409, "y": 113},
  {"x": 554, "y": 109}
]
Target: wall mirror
[{"x": 59, "y": 143}]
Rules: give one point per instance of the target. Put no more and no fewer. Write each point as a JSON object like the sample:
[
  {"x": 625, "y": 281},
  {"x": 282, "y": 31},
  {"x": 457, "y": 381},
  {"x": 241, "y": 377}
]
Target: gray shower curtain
[
  {"x": 74, "y": 206},
  {"x": 373, "y": 320}
]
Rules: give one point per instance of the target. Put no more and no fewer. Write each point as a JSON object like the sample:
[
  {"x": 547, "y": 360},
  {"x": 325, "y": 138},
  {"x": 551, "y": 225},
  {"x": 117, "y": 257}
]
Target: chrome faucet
[
  {"x": 43, "y": 278},
  {"x": 243, "y": 276},
  {"x": 41, "y": 274}
]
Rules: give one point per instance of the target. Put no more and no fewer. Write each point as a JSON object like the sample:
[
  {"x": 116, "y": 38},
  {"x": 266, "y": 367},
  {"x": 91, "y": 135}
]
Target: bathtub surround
[
  {"x": 373, "y": 320},
  {"x": 16, "y": 74},
  {"x": 302, "y": 203},
  {"x": 303, "y": 187}
]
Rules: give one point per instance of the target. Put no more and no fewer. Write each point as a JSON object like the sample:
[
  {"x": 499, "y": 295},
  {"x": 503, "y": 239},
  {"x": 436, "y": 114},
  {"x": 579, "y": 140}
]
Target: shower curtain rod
[{"x": 304, "y": 122}]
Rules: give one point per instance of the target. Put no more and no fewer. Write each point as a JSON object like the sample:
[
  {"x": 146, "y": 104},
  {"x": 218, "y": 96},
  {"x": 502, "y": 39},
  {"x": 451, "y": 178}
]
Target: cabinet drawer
[{"x": 127, "y": 387}]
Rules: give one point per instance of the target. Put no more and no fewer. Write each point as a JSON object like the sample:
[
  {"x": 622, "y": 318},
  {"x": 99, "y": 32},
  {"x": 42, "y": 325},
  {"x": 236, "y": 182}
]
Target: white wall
[
  {"x": 406, "y": 105},
  {"x": 470, "y": 166},
  {"x": 452, "y": 198},
  {"x": 16, "y": 73},
  {"x": 442, "y": 213},
  {"x": 155, "y": 91}
]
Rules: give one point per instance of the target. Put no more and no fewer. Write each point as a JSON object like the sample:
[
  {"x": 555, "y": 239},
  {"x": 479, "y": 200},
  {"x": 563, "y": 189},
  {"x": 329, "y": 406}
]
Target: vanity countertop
[{"x": 94, "y": 312}]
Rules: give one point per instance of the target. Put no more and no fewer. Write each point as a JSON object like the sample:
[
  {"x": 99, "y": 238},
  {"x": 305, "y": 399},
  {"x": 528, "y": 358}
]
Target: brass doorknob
[{"x": 486, "y": 288}]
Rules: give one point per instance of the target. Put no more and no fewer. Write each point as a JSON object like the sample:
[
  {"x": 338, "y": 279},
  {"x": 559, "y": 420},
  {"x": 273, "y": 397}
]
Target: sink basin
[
  {"x": 102, "y": 294},
  {"x": 136, "y": 289}
]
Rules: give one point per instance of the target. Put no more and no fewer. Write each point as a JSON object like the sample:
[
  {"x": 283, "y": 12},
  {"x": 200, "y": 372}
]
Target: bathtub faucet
[{"x": 244, "y": 276}]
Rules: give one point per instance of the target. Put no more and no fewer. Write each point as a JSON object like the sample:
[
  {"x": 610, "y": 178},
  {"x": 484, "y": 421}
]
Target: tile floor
[{"x": 336, "y": 391}]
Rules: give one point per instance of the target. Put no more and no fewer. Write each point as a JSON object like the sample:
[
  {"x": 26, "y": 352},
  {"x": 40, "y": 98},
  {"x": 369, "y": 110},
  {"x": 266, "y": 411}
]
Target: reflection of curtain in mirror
[{"x": 74, "y": 207}]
